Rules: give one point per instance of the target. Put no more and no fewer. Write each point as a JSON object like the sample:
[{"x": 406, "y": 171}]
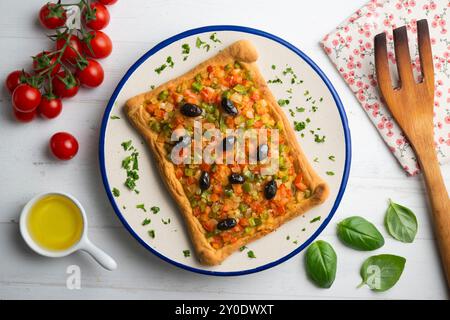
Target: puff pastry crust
[{"x": 245, "y": 53}]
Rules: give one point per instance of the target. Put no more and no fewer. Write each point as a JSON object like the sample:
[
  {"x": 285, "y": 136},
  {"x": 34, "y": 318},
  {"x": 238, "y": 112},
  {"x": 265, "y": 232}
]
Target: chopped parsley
[
  {"x": 186, "y": 253},
  {"x": 152, "y": 86},
  {"x": 300, "y": 109},
  {"x": 154, "y": 209},
  {"x": 131, "y": 165},
  {"x": 276, "y": 80},
  {"x": 283, "y": 102},
  {"x": 315, "y": 219},
  {"x": 116, "y": 192},
  {"x": 288, "y": 237},
  {"x": 274, "y": 67},
  {"x": 290, "y": 72},
  {"x": 186, "y": 49},
  {"x": 319, "y": 139},
  {"x": 202, "y": 44},
  {"x": 299, "y": 125},
  {"x": 166, "y": 221},
  {"x": 213, "y": 38},
  {"x": 161, "y": 68},
  {"x": 146, "y": 221},
  {"x": 295, "y": 242},
  {"x": 141, "y": 206},
  {"x": 251, "y": 254},
  {"x": 330, "y": 173},
  {"x": 332, "y": 158},
  {"x": 242, "y": 248},
  {"x": 304, "y": 229},
  {"x": 114, "y": 117},
  {"x": 170, "y": 62},
  {"x": 316, "y": 159},
  {"x": 151, "y": 233},
  {"x": 126, "y": 145}
]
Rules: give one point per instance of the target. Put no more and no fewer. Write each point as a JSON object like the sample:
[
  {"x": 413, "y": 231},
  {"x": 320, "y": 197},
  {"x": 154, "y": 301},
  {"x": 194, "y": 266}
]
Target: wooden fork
[{"x": 411, "y": 104}]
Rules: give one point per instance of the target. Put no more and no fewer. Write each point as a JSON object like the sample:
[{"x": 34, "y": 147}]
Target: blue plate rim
[{"x": 215, "y": 28}]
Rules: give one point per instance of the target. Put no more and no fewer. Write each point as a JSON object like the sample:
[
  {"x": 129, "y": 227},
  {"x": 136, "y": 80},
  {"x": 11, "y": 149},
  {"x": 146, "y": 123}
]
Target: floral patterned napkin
[{"x": 350, "y": 47}]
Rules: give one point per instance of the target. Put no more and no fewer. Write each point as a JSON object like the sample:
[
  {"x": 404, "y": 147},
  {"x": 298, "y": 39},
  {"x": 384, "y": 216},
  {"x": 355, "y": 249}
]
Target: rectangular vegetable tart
[{"x": 226, "y": 205}]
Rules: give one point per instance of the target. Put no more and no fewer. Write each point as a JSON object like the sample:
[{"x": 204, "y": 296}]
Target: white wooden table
[{"x": 136, "y": 26}]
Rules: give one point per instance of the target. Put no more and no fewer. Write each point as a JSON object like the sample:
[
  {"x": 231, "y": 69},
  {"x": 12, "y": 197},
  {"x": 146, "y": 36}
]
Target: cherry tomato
[
  {"x": 24, "y": 116},
  {"x": 65, "y": 85},
  {"x": 26, "y": 98},
  {"x": 74, "y": 46},
  {"x": 96, "y": 16},
  {"x": 63, "y": 145},
  {"x": 50, "y": 106},
  {"x": 52, "y": 16},
  {"x": 14, "y": 79},
  {"x": 97, "y": 44},
  {"x": 92, "y": 74},
  {"x": 108, "y": 2},
  {"x": 45, "y": 60}
]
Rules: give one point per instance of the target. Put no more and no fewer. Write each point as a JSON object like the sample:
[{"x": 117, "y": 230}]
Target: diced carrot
[
  {"x": 298, "y": 182},
  {"x": 190, "y": 180},
  {"x": 258, "y": 124},
  {"x": 151, "y": 108},
  {"x": 255, "y": 96},
  {"x": 237, "y": 188},
  {"x": 209, "y": 225},
  {"x": 244, "y": 222},
  {"x": 215, "y": 197},
  {"x": 205, "y": 167},
  {"x": 197, "y": 212},
  {"x": 179, "y": 173},
  {"x": 218, "y": 189},
  {"x": 230, "y": 122}
]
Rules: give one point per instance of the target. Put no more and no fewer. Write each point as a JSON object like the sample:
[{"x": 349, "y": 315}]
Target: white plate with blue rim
[{"x": 309, "y": 101}]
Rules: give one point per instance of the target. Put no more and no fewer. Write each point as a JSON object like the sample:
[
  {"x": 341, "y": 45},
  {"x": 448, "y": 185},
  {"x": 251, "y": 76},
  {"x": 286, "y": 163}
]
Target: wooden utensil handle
[{"x": 439, "y": 201}]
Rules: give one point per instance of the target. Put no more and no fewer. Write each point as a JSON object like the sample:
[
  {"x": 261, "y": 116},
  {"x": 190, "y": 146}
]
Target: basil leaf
[
  {"x": 401, "y": 223},
  {"x": 360, "y": 234},
  {"x": 382, "y": 272},
  {"x": 321, "y": 263}
]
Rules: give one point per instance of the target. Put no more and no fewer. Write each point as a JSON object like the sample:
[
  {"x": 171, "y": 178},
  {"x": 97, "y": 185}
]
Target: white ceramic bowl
[{"x": 83, "y": 244}]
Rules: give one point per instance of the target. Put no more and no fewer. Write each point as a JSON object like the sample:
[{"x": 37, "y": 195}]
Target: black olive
[
  {"x": 190, "y": 110},
  {"x": 226, "y": 224},
  {"x": 205, "y": 181},
  {"x": 236, "y": 178},
  {"x": 184, "y": 141},
  {"x": 270, "y": 190},
  {"x": 262, "y": 152},
  {"x": 229, "y": 107},
  {"x": 228, "y": 143}
]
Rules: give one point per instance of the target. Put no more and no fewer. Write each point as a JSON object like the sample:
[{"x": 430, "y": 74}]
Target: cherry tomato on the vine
[
  {"x": 24, "y": 116},
  {"x": 26, "y": 98},
  {"x": 50, "y": 106},
  {"x": 14, "y": 79},
  {"x": 63, "y": 145},
  {"x": 97, "y": 44},
  {"x": 46, "y": 60},
  {"x": 52, "y": 16},
  {"x": 65, "y": 85},
  {"x": 108, "y": 2},
  {"x": 96, "y": 16},
  {"x": 91, "y": 73},
  {"x": 74, "y": 45}
]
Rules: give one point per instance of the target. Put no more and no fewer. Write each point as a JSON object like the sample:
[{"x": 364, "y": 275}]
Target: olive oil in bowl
[{"x": 55, "y": 223}]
